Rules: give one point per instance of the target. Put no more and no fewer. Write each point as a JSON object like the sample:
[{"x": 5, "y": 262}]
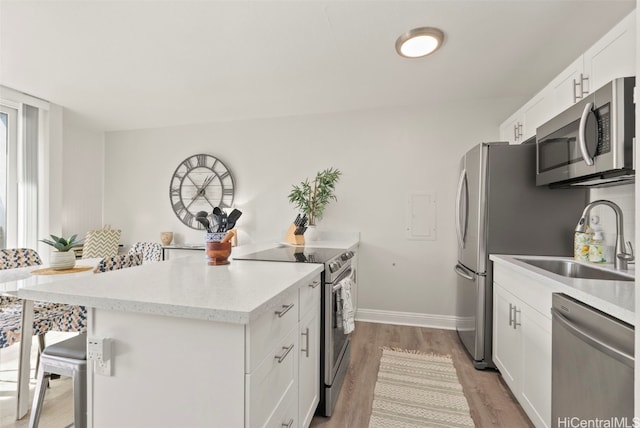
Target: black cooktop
[{"x": 293, "y": 254}]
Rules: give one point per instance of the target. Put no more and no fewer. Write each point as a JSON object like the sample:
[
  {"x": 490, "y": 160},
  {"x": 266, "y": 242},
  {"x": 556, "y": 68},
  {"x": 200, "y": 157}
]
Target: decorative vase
[
  {"x": 166, "y": 237},
  {"x": 63, "y": 260},
  {"x": 311, "y": 234}
]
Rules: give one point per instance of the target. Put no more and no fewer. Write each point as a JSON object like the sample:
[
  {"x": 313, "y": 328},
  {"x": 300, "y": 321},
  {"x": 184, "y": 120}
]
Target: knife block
[{"x": 293, "y": 239}]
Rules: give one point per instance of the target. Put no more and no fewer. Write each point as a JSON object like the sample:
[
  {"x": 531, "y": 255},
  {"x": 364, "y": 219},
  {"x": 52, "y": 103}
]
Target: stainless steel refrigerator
[{"x": 499, "y": 210}]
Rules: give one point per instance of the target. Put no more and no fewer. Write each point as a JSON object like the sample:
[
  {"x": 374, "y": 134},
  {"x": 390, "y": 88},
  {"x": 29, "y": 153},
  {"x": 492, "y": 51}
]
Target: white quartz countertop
[
  {"x": 185, "y": 287},
  {"x": 616, "y": 298}
]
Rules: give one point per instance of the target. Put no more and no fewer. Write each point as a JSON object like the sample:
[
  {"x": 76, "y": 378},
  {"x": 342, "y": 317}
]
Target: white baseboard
[{"x": 446, "y": 322}]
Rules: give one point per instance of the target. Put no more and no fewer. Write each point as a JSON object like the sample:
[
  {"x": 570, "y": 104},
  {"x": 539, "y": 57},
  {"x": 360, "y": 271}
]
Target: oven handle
[
  {"x": 582, "y": 138},
  {"x": 347, "y": 273}
]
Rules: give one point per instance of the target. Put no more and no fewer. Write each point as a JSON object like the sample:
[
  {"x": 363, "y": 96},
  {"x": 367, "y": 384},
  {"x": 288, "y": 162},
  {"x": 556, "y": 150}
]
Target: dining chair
[
  {"x": 151, "y": 251},
  {"x": 101, "y": 243},
  {"x": 69, "y": 357},
  {"x": 11, "y": 307}
]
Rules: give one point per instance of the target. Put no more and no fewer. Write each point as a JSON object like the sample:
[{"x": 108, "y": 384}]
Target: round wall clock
[{"x": 200, "y": 183}]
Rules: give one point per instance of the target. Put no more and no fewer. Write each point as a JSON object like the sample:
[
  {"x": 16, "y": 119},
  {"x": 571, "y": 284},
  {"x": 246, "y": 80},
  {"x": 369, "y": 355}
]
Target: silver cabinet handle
[
  {"x": 582, "y": 138},
  {"x": 282, "y": 356},
  {"x": 516, "y": 311},
  {"x": 306, "y": 348},
  {"x": 288, "y": 424},
  {"x": 284, "y": 310},
  {"x": 576, "y": 85},
  {"x": 510, "y": 314},
  {"x": 520, "y": 132},
  {"x": 515, "y": 133},
  {"x": 314, "y": 284}
]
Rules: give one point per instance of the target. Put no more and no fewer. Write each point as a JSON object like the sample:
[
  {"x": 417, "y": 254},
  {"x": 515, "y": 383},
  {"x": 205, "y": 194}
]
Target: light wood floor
[{"x": 490, "y": 401}]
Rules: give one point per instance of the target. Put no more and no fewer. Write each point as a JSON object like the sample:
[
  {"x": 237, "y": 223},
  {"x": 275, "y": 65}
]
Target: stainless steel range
[{"x": 334, "y": 343}]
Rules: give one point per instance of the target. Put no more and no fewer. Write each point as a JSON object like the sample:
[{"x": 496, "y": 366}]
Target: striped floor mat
[{"x": 418, "y": 390}]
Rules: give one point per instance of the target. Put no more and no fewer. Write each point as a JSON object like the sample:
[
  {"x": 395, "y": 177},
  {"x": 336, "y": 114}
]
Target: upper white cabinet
[
  {"x": 611, "y": 57},
  {"x": 522, "y": 125}
]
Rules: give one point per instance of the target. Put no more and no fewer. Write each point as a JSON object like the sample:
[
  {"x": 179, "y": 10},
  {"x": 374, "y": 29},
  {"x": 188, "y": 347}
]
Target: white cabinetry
[
  {"x": 283, "y": 361},
  {"x": 272, "y": 365},
  {"x": 309, "y": 358},
  {"x": 522, "y": 125},
  {"x": 522, "y": 341},
  {"x": 611, "y": 57}
]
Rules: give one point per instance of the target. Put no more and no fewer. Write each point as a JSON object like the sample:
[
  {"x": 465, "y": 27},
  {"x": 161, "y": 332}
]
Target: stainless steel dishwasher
[{"x": 592, "y": 365}]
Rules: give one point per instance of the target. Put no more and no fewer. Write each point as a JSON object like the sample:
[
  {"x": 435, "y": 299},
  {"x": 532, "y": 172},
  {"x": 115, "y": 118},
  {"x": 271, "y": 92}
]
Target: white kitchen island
[{"x": 195, "y": 345}]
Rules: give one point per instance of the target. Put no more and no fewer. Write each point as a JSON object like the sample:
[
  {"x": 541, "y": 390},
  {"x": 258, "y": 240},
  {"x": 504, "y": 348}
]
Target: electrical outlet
[
  {"x": 99, "y": 351},
  {"x": 103, "y": 367}
]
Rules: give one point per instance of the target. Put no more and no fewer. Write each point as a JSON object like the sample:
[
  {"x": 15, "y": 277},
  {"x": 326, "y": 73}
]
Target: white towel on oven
[{"x": 348, "y": 315}]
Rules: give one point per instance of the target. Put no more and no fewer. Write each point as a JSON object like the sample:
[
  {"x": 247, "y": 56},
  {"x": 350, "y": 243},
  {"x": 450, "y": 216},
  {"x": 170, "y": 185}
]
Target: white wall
[
  {"x": 82, "y": 178},
  {"x": 384, "y": 156}
]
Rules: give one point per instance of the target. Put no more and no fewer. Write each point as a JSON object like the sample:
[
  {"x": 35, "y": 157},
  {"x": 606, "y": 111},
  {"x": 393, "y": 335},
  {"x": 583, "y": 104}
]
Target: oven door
[{"x": 336, "y": 340}]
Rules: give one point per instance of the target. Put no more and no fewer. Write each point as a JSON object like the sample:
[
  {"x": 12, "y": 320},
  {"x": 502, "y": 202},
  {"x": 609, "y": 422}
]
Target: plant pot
[
  {"x": 311, "y": 234},
  {"x": 63, "y": 260}
]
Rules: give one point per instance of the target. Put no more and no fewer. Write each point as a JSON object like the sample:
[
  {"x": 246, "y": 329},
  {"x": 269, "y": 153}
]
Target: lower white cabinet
[
  {"x": 282, "y": 381},
  {"x": 522, "y": 341},
  {"x": 309, "y": 358}
]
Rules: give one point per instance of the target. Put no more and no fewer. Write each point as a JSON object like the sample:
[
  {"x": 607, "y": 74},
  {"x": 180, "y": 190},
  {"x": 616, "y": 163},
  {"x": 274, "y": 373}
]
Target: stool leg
[
  {"x": 41, "y": 346},
  {"x": 80, "y": 397},
  {"x": 38, "y": 397}
]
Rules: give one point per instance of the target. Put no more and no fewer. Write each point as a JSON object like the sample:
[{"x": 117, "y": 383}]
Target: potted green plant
[
  {"x": 62, "y": 258},
  {"x": 311, "y": 198}
]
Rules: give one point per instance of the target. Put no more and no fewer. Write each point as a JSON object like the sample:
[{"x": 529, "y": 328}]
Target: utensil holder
[
  {"x": 218, "y": 253},
  {"x": 292, "y": 238}
]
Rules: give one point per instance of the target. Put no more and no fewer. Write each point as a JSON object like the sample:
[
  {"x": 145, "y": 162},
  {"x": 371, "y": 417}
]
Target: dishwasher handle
[{"x": 613, "y": 352}]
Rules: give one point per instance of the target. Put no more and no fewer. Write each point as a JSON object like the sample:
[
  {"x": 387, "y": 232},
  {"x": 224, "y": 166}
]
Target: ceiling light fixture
[{"x": 419, "y": 42}]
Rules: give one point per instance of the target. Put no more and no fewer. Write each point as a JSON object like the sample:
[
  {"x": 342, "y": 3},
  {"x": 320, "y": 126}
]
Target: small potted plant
[
  {"x": 313, "y": 197},
  {"x": 62, "y": 258}
]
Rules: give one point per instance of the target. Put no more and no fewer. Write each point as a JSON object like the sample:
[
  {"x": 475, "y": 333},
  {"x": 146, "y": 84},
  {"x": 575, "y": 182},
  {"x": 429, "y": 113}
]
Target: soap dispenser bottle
[
  {"x": 581, "y": 244},
  {"x": 596, "y": 247}
]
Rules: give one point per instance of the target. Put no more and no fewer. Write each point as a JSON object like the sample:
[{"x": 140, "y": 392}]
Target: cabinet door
[
  {"x": 507, "y": 346},
  {"x": 309, "y": 372},
  {"x": 536, "y": 112},
  {"x": 509, "y": 129},
  {"x": 536, "y": 375},
  {"x": 614, "y": 55},
  {"x": 563, "y": 89}
]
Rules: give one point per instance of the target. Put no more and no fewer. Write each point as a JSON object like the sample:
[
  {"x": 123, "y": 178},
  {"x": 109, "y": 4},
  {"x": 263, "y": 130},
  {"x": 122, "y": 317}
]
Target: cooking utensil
[
  {"x": 233, "y": 218},
  {"x": 223, "y": 222},
  {"x": 205, "y": 222}
]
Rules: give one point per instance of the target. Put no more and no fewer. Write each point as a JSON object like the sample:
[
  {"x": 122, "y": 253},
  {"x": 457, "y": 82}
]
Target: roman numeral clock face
[{"x": 200, "y": 183}]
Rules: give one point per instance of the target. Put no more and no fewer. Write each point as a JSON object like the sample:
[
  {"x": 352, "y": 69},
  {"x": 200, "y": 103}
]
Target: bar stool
[{"x": 65, "y": 358}]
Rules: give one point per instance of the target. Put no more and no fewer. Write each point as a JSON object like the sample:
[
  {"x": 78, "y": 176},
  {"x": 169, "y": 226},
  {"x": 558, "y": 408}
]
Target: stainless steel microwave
[{"x": 592, "y": 142}]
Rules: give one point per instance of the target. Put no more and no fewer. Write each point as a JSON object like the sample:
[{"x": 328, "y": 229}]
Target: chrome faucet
[{"x": 622, "y": 257}]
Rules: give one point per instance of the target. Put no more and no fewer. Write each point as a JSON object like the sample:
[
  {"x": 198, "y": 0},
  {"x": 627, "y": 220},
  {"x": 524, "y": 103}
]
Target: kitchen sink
[{"x": 573, "y": 269}]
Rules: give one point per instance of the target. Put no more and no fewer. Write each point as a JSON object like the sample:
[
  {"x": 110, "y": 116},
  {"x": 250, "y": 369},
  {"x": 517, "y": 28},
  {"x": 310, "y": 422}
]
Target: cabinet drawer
[
  {"x": 272, "y": 380},
  {"x": 285, "y": 415},
  {"x": 309, "y": 297},
  {"x": 265, "y": 331}
]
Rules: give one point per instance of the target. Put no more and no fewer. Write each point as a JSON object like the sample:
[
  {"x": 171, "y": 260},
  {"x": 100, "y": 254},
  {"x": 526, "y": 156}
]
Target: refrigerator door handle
[
  {"x": 464, "y": 272},
  {"x": 461, "y": 221}
]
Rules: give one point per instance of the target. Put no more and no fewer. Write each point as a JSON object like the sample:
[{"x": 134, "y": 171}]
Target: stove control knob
[{"x": 347, "y": 255}]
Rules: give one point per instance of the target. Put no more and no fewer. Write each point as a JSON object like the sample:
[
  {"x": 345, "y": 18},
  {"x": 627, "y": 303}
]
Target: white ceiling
[{"x": 126, "y": 65}]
